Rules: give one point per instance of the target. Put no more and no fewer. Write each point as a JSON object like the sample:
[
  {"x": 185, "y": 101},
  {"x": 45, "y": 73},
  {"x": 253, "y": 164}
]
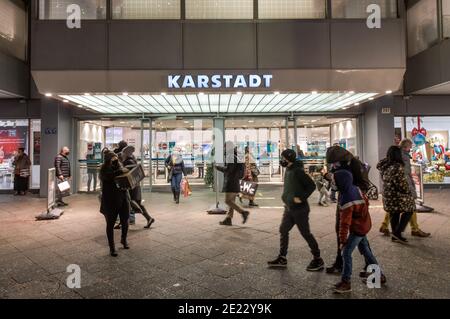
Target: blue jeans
[
  {"x": 175, "y": 182},
  {"x": 362, "y": 243}
]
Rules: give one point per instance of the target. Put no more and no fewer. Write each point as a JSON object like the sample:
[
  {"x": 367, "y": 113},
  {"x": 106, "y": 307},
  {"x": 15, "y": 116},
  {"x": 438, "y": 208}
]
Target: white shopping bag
[{"x": 64, "y": 186}]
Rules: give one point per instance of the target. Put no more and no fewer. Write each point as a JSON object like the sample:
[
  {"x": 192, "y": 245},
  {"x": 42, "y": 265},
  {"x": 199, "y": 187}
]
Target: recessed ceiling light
[
  {"x": 352, "y": 92},
  {"x": 356, "y": 104},
  {"x": 48, "y": 94},
  {"x": 389, "y": 92},
  {"x": 87, "y": 94},
  {"x": 251, "y": 121},
  {"x": 239, "y": 93},
  {"x": 201, "y": 93},
  {"x": 163, "y": 93},
  {"x": 344, "y": 108},
  {"x": 80, "y": 106},
  {"x": 314, "y": 92},
  {"x": 65, "y": 101},
  {"x": 125, "y": 93},
  {"x": 370, "y": 98},
  {"x": 186, "y": 122},
  {"x": 122, "y": 122},
  {"x": 276, "y": 92}
]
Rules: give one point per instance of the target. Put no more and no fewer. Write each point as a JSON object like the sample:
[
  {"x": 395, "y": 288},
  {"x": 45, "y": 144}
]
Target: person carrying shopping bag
[{"x": 175, "y": 165}]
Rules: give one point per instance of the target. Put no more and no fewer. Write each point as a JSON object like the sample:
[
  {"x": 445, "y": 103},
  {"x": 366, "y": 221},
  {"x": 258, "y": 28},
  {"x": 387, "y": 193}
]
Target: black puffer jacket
[
  {"x": 297, "y": 184},
  {"x": 62, "y": 166}
]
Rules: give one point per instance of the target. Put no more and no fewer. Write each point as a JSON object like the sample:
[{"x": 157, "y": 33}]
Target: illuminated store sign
[{"x": 219, "y": 81}]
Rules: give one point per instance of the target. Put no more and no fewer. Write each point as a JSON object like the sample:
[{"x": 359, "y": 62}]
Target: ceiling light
[
  {"x": 351, "y": 92},
  {"x": 80, "y": 106},
  {"x": 163, "y": 93},
  {"x": 48, "y": 94},
  {"x": 276, "y": 92},
  {"x": 344, "y": 108},
  {"x": 201, "y": 93},
  {"x": 125, "y": 93},
  {"x": 87, "y": 94},
  {"x": 370, "y": 98},
  {"x": 251, "y": 121},
  {"x": 389, "y": 92},
  {"x": 314, "y": 92},
  {"x": 356, "y": 104},
  {"x": 65, "y": 101},
  {"x": 186, "y": 122},
  {"x": 239, "y": 93}
]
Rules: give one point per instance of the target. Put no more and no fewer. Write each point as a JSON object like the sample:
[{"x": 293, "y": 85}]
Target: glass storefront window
[
  {"x": 194, "y": 139},
  {"x": 13, "y": 135},
  {"x": 345, "y": 134},
  {"x": 146, "y": 9},
  {"x": 422, "y": 26},
  {"x": 357, "y": 9},
  {"x": 57, "y": 9},
  {"x": 291, "y": 9},
  {"x": 431, "y": 147},
  {"x": 219, "y": 9},
  {"x": 13, "y": 29}
]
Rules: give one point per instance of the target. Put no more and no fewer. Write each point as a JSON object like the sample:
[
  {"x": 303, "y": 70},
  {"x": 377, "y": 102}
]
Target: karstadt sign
[{"x": 219, "y": 81}]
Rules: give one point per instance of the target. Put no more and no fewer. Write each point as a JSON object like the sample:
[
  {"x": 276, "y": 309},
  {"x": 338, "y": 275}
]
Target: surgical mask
[{"x": 284, "y": 163}]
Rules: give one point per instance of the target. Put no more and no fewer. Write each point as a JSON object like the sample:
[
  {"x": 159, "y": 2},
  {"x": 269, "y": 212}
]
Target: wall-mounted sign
[
  {"x": 50, "y": 131},
  {"x": 219, "y": 81}
]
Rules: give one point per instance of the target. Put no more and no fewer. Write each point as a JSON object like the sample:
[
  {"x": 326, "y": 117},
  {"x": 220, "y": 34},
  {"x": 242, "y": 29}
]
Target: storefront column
[
  {"x": 378, "y": 134},
  {"x": 295, "y": 135},
  {"x": 57, "y": 131},
  {"x": 218, "y": 143}
]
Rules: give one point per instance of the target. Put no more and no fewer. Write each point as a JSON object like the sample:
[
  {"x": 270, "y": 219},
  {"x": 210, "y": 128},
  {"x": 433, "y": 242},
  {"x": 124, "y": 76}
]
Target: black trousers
[
  {"x": 111, "y": 218},
  {"x": 399, "y": 221},
  {"x": 20, "y": 183},
  {"x": 297, "y": 216}
]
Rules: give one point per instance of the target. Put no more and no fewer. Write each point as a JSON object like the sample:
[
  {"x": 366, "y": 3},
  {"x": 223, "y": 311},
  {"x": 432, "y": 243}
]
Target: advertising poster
[
  {"x": 416, "y": 172},
  {"x": 36, "y": 148},
  {"x": 13, "y": 135}
]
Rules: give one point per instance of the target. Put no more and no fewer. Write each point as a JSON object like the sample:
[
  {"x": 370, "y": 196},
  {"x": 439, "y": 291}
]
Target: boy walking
[
  {"x": 298, "y": 186},
  {"x": 354, "y": 224}
]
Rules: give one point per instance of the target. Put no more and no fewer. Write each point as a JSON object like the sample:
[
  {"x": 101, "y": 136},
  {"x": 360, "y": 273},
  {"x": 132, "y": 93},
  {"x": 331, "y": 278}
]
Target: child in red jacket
[{"x": 354, "y": 225}]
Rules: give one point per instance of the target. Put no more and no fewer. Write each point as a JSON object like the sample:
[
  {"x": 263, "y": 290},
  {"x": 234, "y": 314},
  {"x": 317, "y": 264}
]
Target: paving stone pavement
[{"x": 186, "y": 254}]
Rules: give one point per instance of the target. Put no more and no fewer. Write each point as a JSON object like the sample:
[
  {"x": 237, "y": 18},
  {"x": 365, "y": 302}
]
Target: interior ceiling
[
  {"x": 232, "y": 122},
  {"x": 217, "y": 103}
]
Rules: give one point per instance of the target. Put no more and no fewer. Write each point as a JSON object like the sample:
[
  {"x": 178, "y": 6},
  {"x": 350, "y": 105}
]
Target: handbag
[
  {"x": 186, "y": 188},
  {"x": 248, "y": 188}
]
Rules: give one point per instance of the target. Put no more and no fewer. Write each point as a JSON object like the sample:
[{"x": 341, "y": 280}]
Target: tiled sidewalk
[{"x": 186, "y": 254}]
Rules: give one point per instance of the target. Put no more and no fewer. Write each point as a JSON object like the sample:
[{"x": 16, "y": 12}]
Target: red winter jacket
[{"x": 354, "y": 218}]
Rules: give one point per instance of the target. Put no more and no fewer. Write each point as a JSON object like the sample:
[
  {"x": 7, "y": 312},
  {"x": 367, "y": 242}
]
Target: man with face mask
[
  {"x": 298, "y": 186},
  {"x": 62, "y": 167}
]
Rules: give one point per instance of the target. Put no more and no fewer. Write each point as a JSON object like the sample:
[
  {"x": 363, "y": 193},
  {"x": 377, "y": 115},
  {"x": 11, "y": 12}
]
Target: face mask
[{"x": 284, "y": 163}]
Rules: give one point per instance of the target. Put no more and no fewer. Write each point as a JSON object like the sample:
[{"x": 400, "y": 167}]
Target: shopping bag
[
  {"x": 248, "y": 188},
  {"x": 64, "y": 186},
  {"x": 186, "y": 188}
]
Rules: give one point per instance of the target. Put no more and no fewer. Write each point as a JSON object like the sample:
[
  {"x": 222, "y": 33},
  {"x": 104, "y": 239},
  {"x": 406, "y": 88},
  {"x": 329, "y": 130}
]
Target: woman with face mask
[
  {"x": 175, "y": 165},
  {"x": 115, "y": 202}
]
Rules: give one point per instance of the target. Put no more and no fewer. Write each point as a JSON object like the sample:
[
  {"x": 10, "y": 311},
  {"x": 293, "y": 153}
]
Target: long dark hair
[{"x": 394, "y": 155}]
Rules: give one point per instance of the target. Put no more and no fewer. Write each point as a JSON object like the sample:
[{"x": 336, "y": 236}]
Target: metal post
[
  {"x": 295, "y": 135},
  {"x": 150, "y": 155}
]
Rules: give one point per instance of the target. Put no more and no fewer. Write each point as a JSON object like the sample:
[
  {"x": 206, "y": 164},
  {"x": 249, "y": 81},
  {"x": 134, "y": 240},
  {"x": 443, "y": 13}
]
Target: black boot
[
  {"x": 124, "y": 243},
  {"x": 112, "y": 251},
  {"x": 177, "y": 197}
]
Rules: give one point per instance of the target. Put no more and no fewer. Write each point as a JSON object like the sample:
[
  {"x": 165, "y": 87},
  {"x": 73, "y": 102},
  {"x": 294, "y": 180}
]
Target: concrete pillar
[
  {"x": 378, "y": 134},
  {"x": 218, "y": 142},
  {"x": 57, "y": 130}
]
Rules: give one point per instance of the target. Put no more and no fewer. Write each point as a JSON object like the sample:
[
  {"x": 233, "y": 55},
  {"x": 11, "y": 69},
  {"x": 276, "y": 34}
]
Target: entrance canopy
[{"x": 128, "y": 103}]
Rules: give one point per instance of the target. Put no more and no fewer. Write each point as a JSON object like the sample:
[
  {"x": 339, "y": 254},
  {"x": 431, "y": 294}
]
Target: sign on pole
[{"x": 51, "y": 189}]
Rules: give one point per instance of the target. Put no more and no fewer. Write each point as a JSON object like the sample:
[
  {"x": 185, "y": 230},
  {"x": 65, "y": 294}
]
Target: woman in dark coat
[
  {"x": 130, "y": 162},
  {"x": 398, "y": 200},
  {"x": 115, "y": 202},
  {"x": 22, "y": 166}
]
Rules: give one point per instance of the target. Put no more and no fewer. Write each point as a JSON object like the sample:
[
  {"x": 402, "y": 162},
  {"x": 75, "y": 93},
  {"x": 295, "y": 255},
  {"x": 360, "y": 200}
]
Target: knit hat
[{"x": 290, "y": 155}]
